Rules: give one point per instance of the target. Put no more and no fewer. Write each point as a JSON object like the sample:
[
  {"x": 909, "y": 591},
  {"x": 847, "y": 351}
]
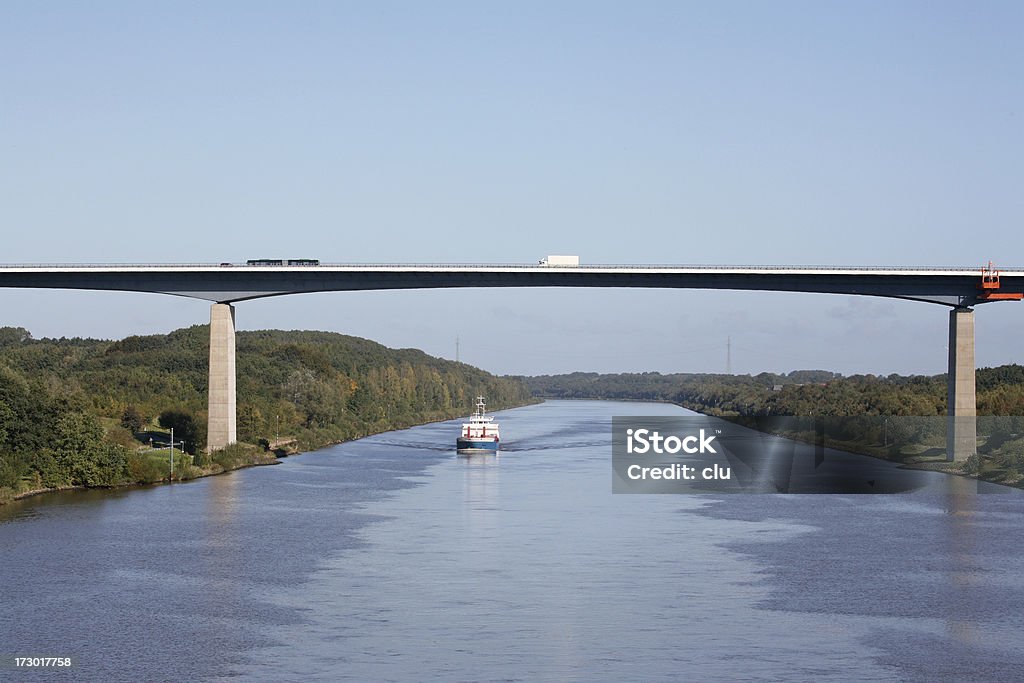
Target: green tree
[
  {"x": 250, "y": 422},
  {"x": 132, "y": 420},
  {"x": 186, "y": 428},
  {"x": 81, "y": 456},
  {"x": 12, "y": 336}
]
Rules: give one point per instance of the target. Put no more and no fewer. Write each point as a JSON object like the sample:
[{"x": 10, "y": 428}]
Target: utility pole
[
  {"x": 171, "y": 478},
  {"x": 728, "y": 355}
]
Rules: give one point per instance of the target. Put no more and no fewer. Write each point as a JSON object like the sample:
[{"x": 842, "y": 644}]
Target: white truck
[{"x": 555, "y": 260}]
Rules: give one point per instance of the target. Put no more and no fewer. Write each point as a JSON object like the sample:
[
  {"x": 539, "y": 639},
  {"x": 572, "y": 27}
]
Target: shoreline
[
  {"x": 954, "y": 469},
  {"x": 163, "y": 482},
  {"x": 274, "y": 459}
]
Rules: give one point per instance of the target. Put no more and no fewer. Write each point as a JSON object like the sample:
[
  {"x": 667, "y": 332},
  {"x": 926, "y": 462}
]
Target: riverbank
[
  {"x": 253, "y": 457},
  {"x": 235, "y": 457},
  {"x": 914, "y": 443},
  {"x": 896, "y": 418},
  {"x": 73, "y": 412}
]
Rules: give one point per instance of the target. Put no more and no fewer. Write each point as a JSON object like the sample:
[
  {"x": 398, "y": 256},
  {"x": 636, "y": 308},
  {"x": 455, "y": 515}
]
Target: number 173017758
[{"x": 39, "y": 662}]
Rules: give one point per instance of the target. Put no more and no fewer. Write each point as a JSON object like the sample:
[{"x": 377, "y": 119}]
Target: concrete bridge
[{"x": 960, "y": 289}]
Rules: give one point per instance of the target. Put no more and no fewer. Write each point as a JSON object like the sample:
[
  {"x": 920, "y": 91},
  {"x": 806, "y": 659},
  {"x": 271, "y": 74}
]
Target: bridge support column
[
  {"x": 961, "y": 399},
  {"x": 220, "y": 429}
]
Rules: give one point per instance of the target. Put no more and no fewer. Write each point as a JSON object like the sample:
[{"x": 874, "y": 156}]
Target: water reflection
[
  {"x": 222, "y": 535},
  {"x": 222, "y": 502},
  {"x": 481, "y": 492},
  {"x": 961, "y": 496}
]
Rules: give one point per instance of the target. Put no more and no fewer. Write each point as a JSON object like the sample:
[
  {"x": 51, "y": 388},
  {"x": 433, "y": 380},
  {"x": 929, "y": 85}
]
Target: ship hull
[{"x": 464, "y": 444}]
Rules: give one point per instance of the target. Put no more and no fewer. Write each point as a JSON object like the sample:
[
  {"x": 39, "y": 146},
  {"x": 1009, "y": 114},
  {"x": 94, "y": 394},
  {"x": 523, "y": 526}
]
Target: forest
[
  {"x": 81, "y": 412},
  {"x": 894, "y": 417},
  {"x": 802, "y": 392}
]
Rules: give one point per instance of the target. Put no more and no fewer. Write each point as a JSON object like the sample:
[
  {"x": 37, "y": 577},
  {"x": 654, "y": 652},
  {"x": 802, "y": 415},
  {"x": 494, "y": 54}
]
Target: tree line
[
  {"x": 894, "y": 417},
  {"x": 72, "y": 411},
  {"x": 802, "y": 392}
]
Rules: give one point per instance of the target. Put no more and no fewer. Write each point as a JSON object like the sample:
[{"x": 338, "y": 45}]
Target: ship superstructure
[{"x": 481, "y": 432}]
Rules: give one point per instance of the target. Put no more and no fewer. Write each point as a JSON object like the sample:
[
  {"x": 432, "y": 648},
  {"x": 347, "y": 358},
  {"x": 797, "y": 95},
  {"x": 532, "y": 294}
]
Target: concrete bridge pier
[
  {"x": 961, "y": 398},
  {"x": 220, "y": 428}
]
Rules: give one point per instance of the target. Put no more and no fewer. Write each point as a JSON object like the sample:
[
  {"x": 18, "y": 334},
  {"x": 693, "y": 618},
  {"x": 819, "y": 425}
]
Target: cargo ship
[{"x": 480, "y": 433}]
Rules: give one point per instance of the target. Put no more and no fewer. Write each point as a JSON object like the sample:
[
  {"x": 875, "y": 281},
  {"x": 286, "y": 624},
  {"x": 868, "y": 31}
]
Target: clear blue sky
[{"x": 641, "y": 132}]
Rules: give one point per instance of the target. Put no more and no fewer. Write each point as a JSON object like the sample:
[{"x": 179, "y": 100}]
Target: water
[{"x": 393, "y": 559}]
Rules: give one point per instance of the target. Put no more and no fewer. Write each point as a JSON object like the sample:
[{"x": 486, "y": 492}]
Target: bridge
[{"x": 225, "y": 284}]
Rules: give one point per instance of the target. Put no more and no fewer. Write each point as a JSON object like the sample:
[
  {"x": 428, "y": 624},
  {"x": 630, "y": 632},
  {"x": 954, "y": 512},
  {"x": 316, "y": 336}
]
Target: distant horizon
[{"x": 497, "y": 374}]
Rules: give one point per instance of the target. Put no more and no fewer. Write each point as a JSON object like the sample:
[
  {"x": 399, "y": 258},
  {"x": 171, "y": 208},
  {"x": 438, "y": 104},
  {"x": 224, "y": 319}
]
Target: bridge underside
[{"x": 230, "y": 284}]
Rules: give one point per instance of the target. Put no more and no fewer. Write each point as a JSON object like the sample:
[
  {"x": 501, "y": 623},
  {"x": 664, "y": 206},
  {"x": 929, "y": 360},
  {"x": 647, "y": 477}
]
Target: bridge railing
[{"x": 518, "y": 266}]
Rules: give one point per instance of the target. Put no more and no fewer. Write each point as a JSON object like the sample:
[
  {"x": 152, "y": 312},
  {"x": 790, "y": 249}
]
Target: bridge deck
[{"x": 228, "y": 283}]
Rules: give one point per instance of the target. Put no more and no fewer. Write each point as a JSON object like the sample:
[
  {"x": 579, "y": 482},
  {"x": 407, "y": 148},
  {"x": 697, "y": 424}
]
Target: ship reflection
[{"x": 481, "y": 492}]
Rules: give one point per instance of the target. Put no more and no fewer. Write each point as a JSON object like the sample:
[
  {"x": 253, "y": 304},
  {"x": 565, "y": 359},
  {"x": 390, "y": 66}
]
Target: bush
[
  {"x": 51, "y": 474},
  {"x": 1014, "y": 461},
  {"x": 233, "y": 456},
  {"x": 12, "y": 469},
  {"x": 225, "y": 458},
  {"x": 202, "y": 459},
  {"x": 119, "y": 436},
  {"x": 144, "y": 468},
  {"x": 973, "y": 464},
  {"x": 110, "y": 466}
]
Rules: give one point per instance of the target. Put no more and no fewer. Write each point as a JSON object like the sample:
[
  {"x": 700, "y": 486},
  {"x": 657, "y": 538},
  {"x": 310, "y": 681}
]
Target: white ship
[{"x": 480, "y": 433}]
